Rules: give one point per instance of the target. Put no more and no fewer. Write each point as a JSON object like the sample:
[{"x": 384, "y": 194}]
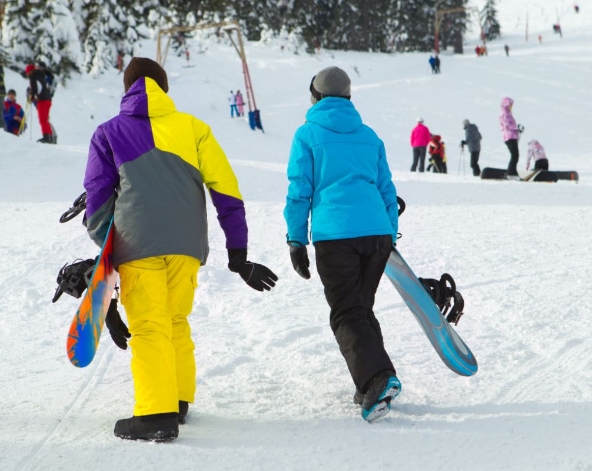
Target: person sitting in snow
[
  {"x": 13, "y": 114},
  {"x": 340, "y": 179},
  {"x": 437, "y": 152},
  {"x": 536, "y": 152}
]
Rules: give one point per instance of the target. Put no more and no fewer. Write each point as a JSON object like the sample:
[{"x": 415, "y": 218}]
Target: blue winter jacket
[{"x": 338, "y": 172}]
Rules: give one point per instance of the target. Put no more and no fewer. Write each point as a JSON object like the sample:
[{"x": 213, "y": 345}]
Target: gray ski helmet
[{"x": 465, "y": 123}]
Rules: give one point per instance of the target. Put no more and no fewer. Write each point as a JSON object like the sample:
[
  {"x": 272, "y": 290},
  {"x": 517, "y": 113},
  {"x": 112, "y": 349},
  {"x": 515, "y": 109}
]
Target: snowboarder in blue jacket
[{"x": 340, "y": 179}]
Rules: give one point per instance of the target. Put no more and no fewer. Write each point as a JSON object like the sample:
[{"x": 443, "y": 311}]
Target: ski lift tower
[{"x": 229, "y": 27}]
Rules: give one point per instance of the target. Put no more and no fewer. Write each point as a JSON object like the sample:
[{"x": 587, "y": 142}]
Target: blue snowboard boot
[{"x": 382, "y": 389}]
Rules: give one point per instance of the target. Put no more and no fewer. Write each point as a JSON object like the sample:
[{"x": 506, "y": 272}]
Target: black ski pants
[
  {"x": 475, "y": 163},
  {"x": 419, "y": 155},
  {"x": 541, "y": 164},
  {"x": 514, "y": 154},
  {"x": 350, "y": 270}
]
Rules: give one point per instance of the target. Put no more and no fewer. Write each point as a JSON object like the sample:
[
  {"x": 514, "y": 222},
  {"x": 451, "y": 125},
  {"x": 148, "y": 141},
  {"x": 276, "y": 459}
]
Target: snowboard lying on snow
[
  {"x": 489, "y": 173},
  {"x": 450, "y": 347}
]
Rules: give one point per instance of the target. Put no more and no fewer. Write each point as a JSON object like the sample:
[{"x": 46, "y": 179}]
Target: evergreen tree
[
  {"x": 454, "y": 24},
  {"x": 17, "y": 33},
  {"x": 491, "y": 27},
  {"x": 415, "y": 25}
]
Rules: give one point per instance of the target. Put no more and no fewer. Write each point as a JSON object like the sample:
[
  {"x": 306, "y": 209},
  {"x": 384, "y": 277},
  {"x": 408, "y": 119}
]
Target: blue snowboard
[{"x": 452, "y": 350}]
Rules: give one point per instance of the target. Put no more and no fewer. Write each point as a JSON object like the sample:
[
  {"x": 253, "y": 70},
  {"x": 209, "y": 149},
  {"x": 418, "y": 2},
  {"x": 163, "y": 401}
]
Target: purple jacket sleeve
[{"x": 100, "y": 180}]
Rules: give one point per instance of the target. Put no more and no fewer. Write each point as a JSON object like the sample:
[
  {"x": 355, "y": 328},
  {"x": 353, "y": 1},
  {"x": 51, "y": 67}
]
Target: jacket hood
[
  {"x": 147, "y": 100},
  {"x": 335, "y": 114},
  {"x": 507, "y": 102}
]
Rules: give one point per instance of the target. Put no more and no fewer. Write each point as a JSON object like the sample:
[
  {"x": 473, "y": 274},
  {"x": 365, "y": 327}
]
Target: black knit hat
[{"x": 144, "y": 67}]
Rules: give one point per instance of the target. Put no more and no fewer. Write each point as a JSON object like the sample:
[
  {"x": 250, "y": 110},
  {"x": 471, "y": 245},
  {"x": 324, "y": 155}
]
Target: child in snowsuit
[
  {"x": 240, "y": 103},
  {"x": 510, "y": 134},
  {"x": 340, "y": 178},
  {"x": 420, "y": 138},
  {"x": 146, "y": 170},
  {"x": 536, "y": 152},
  {"x": 13, "y": 113},
  {"x": 437, "y": 153}
]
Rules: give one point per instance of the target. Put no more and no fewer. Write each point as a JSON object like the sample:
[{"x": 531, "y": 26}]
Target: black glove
[
  {"x": 257, "y": 276},
  {"x": 299, "y": 257},
  {"x": 463, "y": 143},
  {"x": 117, "y": 329}
]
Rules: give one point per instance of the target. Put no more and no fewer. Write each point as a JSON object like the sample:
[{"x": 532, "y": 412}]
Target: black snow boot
[
  {"x": 154, "y": 428},
  {"x": 183, "y": 409},
  {"x": 46, "y": 139},
  {"x": 381, "y": 390},
  {"x": 358, "y": 397}
]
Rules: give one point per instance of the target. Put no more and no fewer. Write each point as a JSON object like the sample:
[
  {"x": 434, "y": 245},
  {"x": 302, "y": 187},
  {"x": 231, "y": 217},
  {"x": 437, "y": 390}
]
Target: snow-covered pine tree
[
  {"x": 414, "y": 22},
  {"x": 491, "y": 27},
  {"x": 17, "y": 33},
  {"x": 454, "y": 24},
  {"x": 112, "y": 32}
]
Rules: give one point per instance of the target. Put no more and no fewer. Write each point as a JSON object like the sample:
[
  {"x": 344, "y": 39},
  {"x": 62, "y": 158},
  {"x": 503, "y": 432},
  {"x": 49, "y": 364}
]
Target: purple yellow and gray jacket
[{"x": 147, "y": 168}]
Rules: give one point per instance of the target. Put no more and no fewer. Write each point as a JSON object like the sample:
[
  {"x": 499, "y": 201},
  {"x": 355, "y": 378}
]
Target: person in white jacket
[{"x": 232, "y": 101}]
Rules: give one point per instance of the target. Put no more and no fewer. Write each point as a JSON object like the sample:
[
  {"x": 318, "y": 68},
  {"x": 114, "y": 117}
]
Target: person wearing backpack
[
  {"x": 473, "y": 141},
  {"x": 40, "y": 95}
]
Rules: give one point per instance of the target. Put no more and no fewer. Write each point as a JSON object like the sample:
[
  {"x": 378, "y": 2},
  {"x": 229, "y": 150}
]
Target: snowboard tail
[
  {"x": 87, "y": 325},
  {"x": 450, "y": 347}
]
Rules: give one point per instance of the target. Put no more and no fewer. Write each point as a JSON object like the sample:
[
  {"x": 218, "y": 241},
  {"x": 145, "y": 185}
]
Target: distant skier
[
  {"x": 420, "y": 138},
  {"x": 13, "y": 114},
  {"x": 507, "y": 49},
  {"x": 510, "y": 134},
  {"x": 146, "y": 170},
  {"x": 40, "y": 96},
  {"x": 340, "y": 178},
  {"x": 536, "y": 152},
  {"x": 437, "y": 151},
  {"x": 432, "y": 61},
  {"x": 232, "y": 101},
  {"x": 2, "y": 95},
  {"x": 437, "y": 64},
  {"x": 473, "y": 141},
  {"x": 577, "y": 8},
  {"x": 240, "y": 103}
]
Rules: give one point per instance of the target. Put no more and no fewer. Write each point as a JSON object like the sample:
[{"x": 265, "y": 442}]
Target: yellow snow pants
[{"x": 157, "y": 294}]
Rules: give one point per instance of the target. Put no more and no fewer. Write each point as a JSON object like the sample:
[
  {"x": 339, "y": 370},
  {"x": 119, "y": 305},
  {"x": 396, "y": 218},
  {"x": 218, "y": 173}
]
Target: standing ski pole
[{"x": 461, "y": 159}]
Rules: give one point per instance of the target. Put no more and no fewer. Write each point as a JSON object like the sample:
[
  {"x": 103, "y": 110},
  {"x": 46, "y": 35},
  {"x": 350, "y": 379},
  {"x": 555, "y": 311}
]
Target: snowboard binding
[
  {"x": 444, "y": 294},
  {"x": 78, "y": 206},
  {"x": 73, "y": 279}
]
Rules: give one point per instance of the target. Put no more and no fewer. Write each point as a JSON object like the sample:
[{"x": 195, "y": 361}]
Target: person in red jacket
[
  {"x": 437, "y": 153},
  {"x": 420, "y": 138},
  {"x": 40, "y": 95}
]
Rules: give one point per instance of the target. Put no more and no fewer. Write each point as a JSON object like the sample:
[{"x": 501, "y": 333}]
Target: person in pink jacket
[
  {"x": 420, "y": 138},
  {"x": 510, "y": 134}
]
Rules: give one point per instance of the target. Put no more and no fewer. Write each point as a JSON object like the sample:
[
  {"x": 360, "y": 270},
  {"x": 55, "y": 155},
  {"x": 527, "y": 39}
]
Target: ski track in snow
[{"x": 273, "y": 390}]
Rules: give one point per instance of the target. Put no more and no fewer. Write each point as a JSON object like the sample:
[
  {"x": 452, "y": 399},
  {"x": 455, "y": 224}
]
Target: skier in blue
[{"x": 340, "y": 178}]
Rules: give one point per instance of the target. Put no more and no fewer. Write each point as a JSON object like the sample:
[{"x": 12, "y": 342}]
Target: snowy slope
[{"x": 273, "y": 390}]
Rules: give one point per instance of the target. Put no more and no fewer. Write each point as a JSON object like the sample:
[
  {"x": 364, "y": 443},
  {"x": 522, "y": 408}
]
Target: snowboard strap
[
  {"x": 78, "y": 206},
  {"x": 73, "y": 279},
  {"x": 444, "y": 294}
]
